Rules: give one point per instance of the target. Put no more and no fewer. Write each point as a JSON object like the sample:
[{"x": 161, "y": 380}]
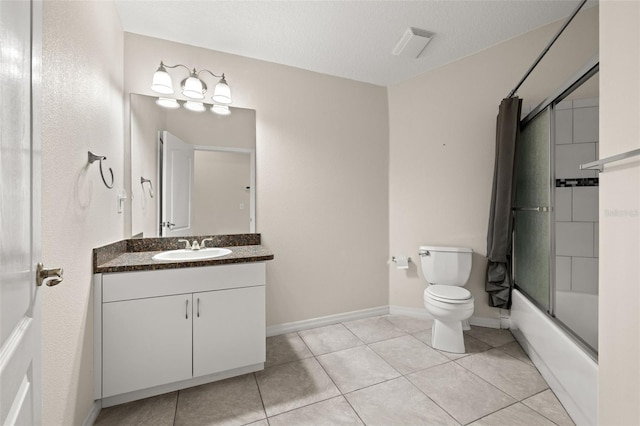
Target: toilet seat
[{"x": 448, "y": 294}]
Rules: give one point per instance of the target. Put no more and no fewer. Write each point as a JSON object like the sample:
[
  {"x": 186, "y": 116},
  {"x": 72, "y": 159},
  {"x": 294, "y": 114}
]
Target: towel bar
[{"x": 599, "y": 164}]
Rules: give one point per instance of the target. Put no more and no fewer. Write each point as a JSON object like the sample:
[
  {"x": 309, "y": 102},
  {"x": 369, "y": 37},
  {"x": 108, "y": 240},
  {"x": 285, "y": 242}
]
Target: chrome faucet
[
  {"x": 204, "y": 240},
  {"x": 192, "y": 246}
]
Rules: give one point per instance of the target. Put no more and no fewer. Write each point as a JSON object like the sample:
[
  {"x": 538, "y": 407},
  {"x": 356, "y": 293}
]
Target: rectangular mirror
[{"x": 207, "y": 186}]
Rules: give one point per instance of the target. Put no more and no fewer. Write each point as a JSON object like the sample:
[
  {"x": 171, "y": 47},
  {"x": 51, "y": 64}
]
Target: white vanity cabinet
[
  {"x": 145, "y": 343},
  {"x": 226, "y": 328},
  {"x": 162, "y": 330}
]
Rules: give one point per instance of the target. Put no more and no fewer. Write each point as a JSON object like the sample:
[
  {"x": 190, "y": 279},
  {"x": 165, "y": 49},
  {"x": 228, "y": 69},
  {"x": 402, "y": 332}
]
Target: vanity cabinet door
[
  {"x": 228, "y": 329},
  {"x": 146, "y": 342}
]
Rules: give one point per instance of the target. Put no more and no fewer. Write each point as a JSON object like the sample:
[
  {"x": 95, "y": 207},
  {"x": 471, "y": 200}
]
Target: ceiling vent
[{"x": 412, "y": 43}]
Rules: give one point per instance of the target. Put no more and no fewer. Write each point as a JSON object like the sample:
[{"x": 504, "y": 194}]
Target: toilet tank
[{"x": 446, "y": 265}]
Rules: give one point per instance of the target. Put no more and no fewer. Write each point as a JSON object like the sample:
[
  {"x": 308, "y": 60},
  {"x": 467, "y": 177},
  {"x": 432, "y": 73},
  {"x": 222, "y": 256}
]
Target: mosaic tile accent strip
[{"x": 563, "y": 183}]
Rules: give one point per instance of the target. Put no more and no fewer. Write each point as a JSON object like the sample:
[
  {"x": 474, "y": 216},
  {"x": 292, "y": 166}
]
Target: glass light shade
[
  {"x": 192, "y": 87},
  {"x": 220, "y": 109},
  {"x": 222, "y": 93},
  {"x": 168, "y": 103},
  {"x": 194, "y": 106},
  {"x": 162, "y": 82}
]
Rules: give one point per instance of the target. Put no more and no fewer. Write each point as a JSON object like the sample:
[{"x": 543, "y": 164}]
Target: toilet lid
[{"x": 449, "y": 292}]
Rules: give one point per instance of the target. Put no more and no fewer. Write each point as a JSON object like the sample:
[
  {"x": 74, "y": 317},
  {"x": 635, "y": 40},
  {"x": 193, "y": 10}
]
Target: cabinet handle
[
  {"x": 198, "y": 310},
  {"x": 186, "y": 310}
]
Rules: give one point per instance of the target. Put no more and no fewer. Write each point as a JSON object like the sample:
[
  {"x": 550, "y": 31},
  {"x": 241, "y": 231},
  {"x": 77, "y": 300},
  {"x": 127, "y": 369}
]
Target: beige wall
[
  {"x": 442, "y": 137},
  {"x": 237, "y": 130},
  {"x": 619, "y": 327},
  {"x": 147, "y": 119},
  {"x": 322, "y": 176},
  {"x": 82, "y": 109},
  {"x": 221, "y": 199}
]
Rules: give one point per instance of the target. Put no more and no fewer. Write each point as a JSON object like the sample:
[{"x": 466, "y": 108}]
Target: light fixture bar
[{"x": 193, "y": 86}]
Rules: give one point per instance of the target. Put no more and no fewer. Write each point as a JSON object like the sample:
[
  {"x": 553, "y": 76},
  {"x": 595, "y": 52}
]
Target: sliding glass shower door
[
  {"x": 532, "y": 213},
  {"x": 555, "y": 211}
]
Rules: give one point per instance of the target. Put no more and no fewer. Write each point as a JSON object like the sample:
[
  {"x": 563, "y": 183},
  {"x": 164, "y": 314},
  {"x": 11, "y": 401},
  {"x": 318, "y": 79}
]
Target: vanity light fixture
[
  {"x": 220, "y": 109},
  {"x": 193, "y": 86},
  {"x": 168, "y": 103},
  {"x": 194, "y": 106}
]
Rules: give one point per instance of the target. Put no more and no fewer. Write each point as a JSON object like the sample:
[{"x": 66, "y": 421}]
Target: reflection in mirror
[{"x": 220, "y": 194}]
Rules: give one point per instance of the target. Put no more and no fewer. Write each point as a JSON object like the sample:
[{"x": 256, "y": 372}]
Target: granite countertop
[{"x": 136, "y": 255}]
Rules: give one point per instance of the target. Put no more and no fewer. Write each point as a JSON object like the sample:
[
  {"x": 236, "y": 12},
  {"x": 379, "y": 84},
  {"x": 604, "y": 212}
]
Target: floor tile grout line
[
  {"x": 342, "y": 324},
  {"x": 354, "y": 410},
  {"x": 175, "y": 411},
  {"x": 351, "y": 331},
  {"x": 454, "y": 361},
  {"x": 305, "y": 344},
  {"x": 431, "y": 399},
  {"x": 255, "y": 379},
  {"x": 287, "y": 362},
  {"x": 496, "y": 386},
  {"x": 380, "y": 317},
  {"x": 495, "y": 411},
  {"x": 516, "y": 400},
  {"x": 485, "y": 380},
  {"x": 307, "y": 405},
  {"x": 542, "y": 414}
]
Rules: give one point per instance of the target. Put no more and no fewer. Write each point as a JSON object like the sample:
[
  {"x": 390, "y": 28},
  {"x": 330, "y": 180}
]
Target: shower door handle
[{"x": 532, "y": 209}]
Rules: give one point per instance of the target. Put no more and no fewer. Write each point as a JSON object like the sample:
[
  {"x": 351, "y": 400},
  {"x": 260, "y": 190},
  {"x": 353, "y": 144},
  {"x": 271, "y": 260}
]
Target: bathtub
[{"x": 570, "y": 372}]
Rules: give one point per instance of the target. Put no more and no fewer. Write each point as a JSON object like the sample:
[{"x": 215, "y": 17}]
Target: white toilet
[{"x": 447, "y": 270}]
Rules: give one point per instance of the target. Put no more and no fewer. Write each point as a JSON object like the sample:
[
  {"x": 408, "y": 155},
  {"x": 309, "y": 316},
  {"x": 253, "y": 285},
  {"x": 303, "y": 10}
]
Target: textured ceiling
[{"x": 350, "y": 39}]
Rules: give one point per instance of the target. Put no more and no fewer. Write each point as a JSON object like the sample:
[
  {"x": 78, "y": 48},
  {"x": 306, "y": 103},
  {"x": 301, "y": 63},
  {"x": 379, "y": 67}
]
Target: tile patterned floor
[{"x": 374, "y": 371}]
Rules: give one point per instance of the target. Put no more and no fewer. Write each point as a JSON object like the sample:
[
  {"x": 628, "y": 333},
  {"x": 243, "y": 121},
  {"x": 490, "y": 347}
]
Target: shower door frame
[{"x": 590, "y": 69}]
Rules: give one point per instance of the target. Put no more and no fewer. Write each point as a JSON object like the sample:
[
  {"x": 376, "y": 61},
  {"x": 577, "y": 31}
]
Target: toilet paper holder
[{"x": 395, "y": 260}]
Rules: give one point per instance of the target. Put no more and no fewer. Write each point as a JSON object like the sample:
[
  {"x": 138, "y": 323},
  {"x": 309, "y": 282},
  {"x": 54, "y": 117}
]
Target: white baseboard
[
  {"x": 93, "y": 414},
  {"x": 488, "y": 322},
  {"x": 274, "y": 330},
  {"x": 422, "y": 313},
  {"x": 409, "y": 312}
]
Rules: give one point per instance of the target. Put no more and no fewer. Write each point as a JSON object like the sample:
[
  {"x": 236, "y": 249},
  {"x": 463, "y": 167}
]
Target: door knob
[{"x": 51, "y": 276}]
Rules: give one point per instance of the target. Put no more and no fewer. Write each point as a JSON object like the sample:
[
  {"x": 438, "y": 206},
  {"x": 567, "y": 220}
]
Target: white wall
[
  {"x": 442, "y": 138},
  {"x": 82, "y": 109},
  {"x": 619, "y": 275},
  {"x": 322, "y": 176}
]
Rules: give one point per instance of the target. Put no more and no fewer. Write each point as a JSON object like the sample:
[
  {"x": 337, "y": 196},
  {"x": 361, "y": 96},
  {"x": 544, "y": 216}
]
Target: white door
[
  {"x": 177, "y": 186},
  {"x": 20, "y": 53}
]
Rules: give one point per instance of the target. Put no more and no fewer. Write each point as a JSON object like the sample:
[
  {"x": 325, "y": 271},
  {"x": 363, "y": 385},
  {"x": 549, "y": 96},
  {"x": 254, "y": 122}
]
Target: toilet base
[{"x": 447, "y": 336}]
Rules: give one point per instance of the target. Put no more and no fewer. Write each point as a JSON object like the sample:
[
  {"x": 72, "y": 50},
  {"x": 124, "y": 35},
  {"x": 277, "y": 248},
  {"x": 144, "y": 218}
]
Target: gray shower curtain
[{"x": 499, "y": 282}]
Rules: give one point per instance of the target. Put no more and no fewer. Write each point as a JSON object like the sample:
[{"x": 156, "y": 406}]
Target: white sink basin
[{"x": 186, "y": 255}]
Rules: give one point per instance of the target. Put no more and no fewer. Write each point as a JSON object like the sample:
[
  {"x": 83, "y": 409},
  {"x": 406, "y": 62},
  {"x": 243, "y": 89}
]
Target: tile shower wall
[{"x": 576, "y": 138}]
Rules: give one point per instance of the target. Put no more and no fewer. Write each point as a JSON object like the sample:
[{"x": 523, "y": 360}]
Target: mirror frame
[{"x": 251, "y": 151}]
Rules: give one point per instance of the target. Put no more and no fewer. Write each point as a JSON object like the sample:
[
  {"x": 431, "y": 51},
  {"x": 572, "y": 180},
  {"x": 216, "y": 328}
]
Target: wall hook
[
  {"x": 143, "y": 181},
  {"x": 92, "y": 158}
]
